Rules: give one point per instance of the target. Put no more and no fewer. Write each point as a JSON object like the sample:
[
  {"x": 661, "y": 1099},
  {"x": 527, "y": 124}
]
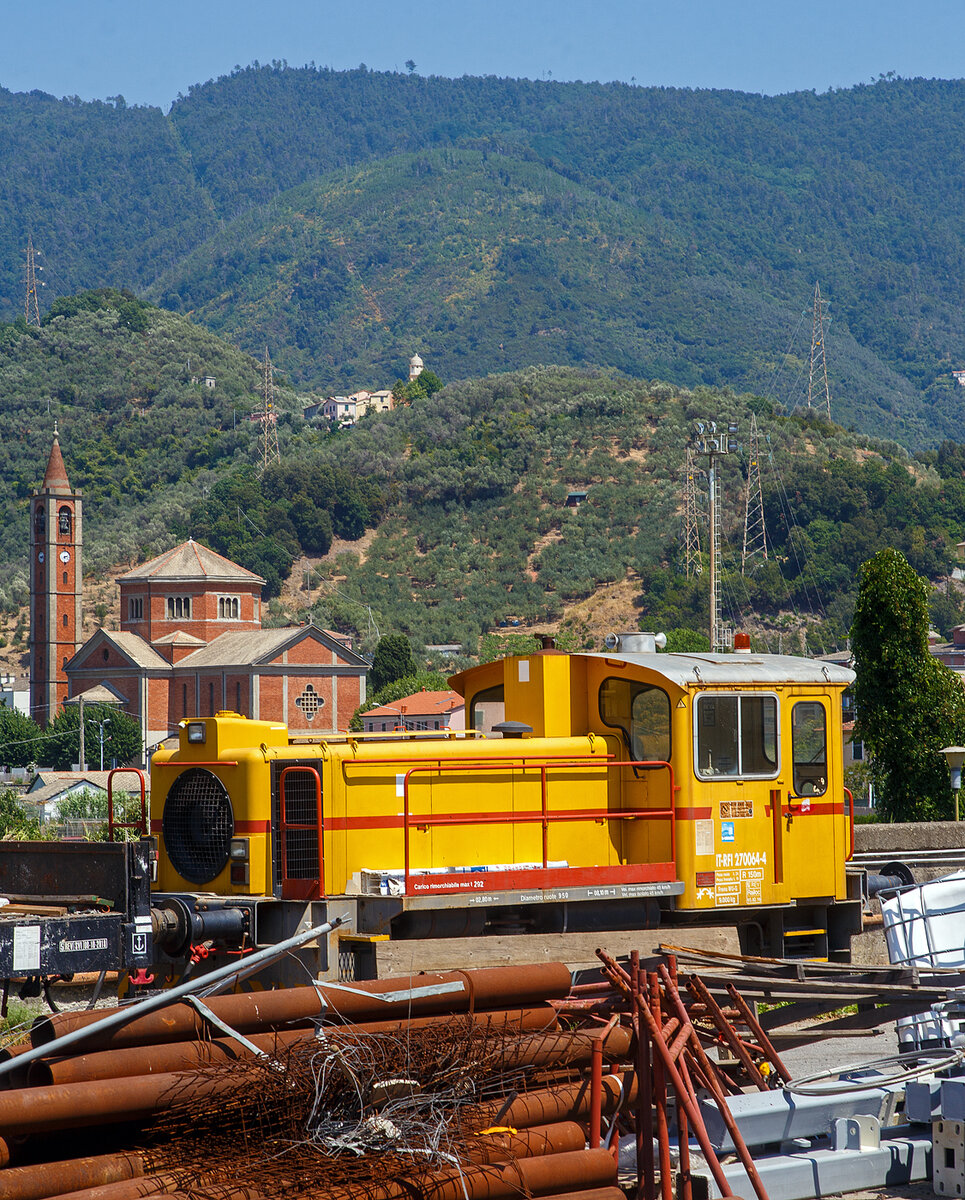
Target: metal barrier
[{"x": 543, "y": 815}]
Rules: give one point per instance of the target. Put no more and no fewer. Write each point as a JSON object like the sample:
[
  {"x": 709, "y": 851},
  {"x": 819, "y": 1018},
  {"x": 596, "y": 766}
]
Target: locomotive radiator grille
[{"x": 198, "y": 825}]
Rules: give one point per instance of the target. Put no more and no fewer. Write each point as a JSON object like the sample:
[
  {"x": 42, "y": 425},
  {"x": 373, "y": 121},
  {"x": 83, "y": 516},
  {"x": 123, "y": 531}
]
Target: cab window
[
  {"x": 736, "y": 736},
  {"x": 809, "y": 737},
  {"x": 641, "y": 712},
  {"x": 487, "y": 708}
]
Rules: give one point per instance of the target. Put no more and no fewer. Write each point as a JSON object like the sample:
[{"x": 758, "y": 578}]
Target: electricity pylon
[
  {"x": 755, "y": 536},
  {"x": 691, "y": 528},
  {"x": 819, "y": 391},
  {"x": 269, "y": 423},
  {"x": 31, "y": 303}
]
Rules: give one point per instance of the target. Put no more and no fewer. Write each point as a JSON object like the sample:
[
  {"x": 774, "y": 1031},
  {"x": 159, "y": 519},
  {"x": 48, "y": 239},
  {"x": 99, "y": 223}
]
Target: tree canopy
[
  {"x": 393, "y": 660},
  {"x": 908, "y": 705}
]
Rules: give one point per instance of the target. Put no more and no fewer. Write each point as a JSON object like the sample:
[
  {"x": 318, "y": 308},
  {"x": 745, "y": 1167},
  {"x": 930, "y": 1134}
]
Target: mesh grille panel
[
  {"x": 301, "y": 845},
  {"x": 198, "y": 825}
]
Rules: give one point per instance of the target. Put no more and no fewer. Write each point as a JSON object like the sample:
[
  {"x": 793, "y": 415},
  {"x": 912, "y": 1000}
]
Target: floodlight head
[{"x": 955, "y": 757}]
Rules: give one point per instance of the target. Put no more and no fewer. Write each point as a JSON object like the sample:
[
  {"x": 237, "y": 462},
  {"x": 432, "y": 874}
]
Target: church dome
[{"x": 416, "y": 361}]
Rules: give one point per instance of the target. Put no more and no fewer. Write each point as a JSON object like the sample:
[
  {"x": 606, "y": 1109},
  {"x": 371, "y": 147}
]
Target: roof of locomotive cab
[
  {"x": 735, "y": 670},
  {"x": 719, "y": 670}
]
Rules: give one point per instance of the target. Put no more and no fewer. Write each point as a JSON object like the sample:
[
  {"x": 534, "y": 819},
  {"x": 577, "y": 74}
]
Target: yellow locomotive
[{"x": 590, "y": 791}]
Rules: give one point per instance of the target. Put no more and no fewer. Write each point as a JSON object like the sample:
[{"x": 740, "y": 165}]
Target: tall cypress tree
[{"x": 908, "y": 704}]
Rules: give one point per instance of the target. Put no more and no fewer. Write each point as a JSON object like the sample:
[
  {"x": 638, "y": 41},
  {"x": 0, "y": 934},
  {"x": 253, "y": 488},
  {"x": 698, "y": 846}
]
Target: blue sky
[{"x": 148, "y": 51}]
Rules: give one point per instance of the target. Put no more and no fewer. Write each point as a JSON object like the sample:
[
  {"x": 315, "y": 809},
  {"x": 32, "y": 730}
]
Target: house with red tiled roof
[{"x": 420, "y": 711}]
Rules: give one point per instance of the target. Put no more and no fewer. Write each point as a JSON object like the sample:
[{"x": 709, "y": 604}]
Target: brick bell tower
[{"x": 56, "y": 586}]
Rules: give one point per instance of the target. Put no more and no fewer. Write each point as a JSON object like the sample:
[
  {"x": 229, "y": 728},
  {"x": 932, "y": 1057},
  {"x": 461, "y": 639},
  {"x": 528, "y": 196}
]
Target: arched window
[
  {"x": 65, "y": 620},
  {"x": 65, "y": 520},
  {"x": 40, "y": 520}
]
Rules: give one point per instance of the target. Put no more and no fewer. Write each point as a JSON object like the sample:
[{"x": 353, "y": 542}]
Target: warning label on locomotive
[
  {"x": 87, "y": 944},
  {"x": 740, "y": 886},
  {"x": 703, "y": 837},
  {"x": 736, "y": 810}
]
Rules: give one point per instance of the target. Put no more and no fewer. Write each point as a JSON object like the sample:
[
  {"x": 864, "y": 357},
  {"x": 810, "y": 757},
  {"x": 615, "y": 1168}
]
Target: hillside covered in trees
[
  {"x": 351, "y": 217},
  {"x": 448, "y": 518}
]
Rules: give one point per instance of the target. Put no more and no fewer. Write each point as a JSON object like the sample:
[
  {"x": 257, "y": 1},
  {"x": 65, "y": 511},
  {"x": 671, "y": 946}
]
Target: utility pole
[
  {"x": 691, "y": 529},
  {"x": 712, "y": 445},
  {"x": 755, "y": 536},
  {"x": 819, "y": 390},
  {"x": 80, "y": 711},
  {"x": 269, "y": 424},
  {"x": 31, "y": 303}
]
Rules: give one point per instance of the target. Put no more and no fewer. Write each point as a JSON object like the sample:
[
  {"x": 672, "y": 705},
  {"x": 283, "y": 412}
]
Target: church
[{"x": 190, "y": 641}]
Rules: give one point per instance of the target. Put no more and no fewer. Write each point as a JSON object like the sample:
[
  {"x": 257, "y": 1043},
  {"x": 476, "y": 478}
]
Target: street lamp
[{"x": 955, "y": 757}]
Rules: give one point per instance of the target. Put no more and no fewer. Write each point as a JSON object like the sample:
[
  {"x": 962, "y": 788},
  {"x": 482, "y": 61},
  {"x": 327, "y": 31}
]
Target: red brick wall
[{"x": 204, "y": 621}]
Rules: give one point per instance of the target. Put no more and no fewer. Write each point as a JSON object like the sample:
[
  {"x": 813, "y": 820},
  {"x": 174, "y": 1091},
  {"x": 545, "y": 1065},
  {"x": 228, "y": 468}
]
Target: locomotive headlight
[
  {"x": 196, "y": 732},
  {"x": 238, "y": 854}
]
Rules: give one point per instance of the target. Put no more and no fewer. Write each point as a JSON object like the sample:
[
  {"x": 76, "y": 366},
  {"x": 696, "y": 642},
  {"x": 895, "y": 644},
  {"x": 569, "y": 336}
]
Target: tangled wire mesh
[{"x": 344, "y": 1109}]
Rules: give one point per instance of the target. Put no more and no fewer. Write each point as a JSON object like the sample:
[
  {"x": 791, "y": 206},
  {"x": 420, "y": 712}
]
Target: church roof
[
  {"x": 246, "y": 649},
  {"x": 136, "y": 648},
  {"x": 179, "y": 638},
  {"x": 100, "y": 693},
  {"x": 55, "y": 477},
  {"x": 191, "y": 562}
]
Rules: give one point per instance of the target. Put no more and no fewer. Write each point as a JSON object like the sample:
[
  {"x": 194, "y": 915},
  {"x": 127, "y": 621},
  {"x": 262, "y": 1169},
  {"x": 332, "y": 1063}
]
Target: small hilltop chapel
[{"x": 190, "y": 641}]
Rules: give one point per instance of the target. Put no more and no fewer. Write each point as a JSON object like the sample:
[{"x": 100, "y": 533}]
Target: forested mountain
[
  {"x": 490, "y": 224},
  {"x": 451, "y": 512}
]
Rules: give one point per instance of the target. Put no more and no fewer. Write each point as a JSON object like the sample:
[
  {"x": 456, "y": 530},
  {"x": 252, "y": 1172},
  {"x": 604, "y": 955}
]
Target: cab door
[{"x": 808, "y": 818}]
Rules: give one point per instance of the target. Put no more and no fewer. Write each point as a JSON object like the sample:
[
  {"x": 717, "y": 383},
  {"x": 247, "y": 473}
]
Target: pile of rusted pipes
[{"x": 123, "y": 1103}]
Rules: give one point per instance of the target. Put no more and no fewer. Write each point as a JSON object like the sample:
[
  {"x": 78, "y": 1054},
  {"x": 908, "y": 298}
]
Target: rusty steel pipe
[
  {"x": 221, "y": 1191},
  {"x": 563, "y": 1137},
  {"x": 552, "y": 1173},
  {"x": 128, "y": 1189},
  {"x": 41, "y": 1180},
  {"x": 102, "y": 1102},
  {"x": 605, "y": 1193},
  {"x": 660, "y": 1093},
  {"x": 163, "y": 1059},
  {"x": 567, "y": 1049},
  {"x": 566, "y": 1102},
  {"x": 596, "y": 1094},
  {"x": 643, "y": 1112},
  {"x": 168, "y": 1057},
  {"x": 183, "y": 1056},
  {"x": 253, "y": 1012}
]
